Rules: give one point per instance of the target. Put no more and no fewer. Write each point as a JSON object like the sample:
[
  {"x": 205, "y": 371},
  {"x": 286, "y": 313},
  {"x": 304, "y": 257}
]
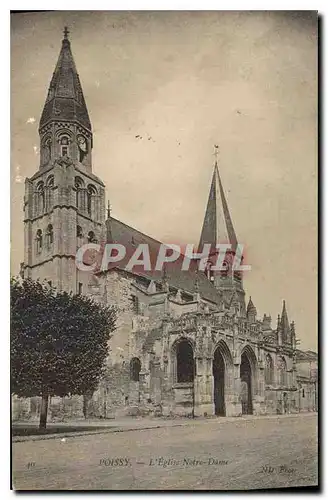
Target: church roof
[
  {"x": 118, "y": 232},
  {"x": 306, "y": 355},
  {"x": 65, "y": 100},
  {"x": 217, "y": 226}
]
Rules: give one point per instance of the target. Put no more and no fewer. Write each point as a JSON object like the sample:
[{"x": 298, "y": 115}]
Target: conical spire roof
[
  {"x": 284, "y": 323},
  {"x": 65, "y": 100},
  {"x": 217, "y": 225},
  {"x": 251, "y": 307}
]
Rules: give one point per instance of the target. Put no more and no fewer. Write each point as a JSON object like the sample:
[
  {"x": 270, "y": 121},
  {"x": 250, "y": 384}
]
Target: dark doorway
[
  {"x": 135, "y": 368},
  {"x": 218, "y": 374},
  {"x": 246, "y": 386}
]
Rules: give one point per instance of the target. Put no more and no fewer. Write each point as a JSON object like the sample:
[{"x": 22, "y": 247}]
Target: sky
[{"x": 184, "y": 81}]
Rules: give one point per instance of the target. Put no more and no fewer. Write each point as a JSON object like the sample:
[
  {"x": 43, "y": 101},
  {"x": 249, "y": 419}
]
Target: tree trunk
[
  {"x": 85, "y": 405},
  {"x": 44, "y": 411}
]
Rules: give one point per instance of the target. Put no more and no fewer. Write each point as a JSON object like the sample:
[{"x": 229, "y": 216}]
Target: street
[{"x": 214, "y": 454}]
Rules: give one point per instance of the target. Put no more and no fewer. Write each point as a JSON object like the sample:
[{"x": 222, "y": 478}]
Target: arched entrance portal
[
  {"x": 219, "y": 382},
  {"x": 246, "y": 385}
]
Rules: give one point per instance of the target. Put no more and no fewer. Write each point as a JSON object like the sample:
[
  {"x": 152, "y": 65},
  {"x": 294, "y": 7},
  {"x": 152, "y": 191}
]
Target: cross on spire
[
  {"x": 66, "y": 33},
  {"x": 216, "y": 152}
]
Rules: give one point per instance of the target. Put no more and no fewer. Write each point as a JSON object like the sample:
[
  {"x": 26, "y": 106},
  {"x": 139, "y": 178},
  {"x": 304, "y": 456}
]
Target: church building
[{"x": 187, "y": 343}]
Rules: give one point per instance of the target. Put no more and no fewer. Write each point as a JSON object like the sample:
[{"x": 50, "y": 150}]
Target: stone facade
[{"x": 185, "y": 342}]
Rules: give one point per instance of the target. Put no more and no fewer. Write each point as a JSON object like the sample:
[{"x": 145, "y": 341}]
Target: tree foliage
[{"x": 59, "y": 341}]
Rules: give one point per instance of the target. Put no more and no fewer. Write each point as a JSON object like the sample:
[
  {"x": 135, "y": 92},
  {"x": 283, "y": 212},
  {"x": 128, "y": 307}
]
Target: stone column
[
  {"x": 199, "y": 387},
  {"x": 209, "y": 387},
  {"x": 167, "y": 394},
  {"x": 203, "y": 386},
  {"x": 167, "y": 367},
  {"x": 234, "y": 409},
  {"x": 230, "y": 390},
  {"x": 259, "y": 407},
  {"x": 144, "y": 387}
]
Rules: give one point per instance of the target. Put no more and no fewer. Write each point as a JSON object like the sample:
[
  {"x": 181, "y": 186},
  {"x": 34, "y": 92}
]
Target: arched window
[
  {"x": 268, "y": 370},
  {"x": 50, "y": 235},
  {"x": 46, "y": 151},
  {"x": 40, "y": 198},
  {"x": 185, "y": 362},
  {"x": 49, "y": 199},
  {"x": 38, "y": 240},
  {"x": 282, "y": 371},
  {"x": 50, "y": 181},
  {"x": 135, "y": 367},
  {"x": 79, "y": 186},
  {"x": 64, "y": 145},
  {"x": 79, "y": 233},
  {"x": 91, "y": 193},
  {"x": 91, "y": 237},
  {"x": 83, "y": 147}
]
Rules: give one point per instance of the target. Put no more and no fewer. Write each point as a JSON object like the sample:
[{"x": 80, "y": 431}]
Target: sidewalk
[{"x": 130, "y": 424}]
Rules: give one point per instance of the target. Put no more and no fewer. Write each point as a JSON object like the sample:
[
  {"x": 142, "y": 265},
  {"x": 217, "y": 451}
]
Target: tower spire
[
  {"x": 217, "y": 225},
  {"x": 284, "y": 324},
  {"x": 65, "y": 100}
]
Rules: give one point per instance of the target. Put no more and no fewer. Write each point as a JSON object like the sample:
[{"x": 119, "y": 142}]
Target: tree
[{"x": 59, "y": 342}]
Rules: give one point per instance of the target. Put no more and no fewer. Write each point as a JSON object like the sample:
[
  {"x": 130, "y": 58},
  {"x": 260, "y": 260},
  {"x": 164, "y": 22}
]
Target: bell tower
[{"x": 64, "y": 203}]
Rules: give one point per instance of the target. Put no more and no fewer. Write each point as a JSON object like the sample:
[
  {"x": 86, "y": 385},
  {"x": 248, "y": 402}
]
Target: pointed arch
[
  {"x": 249, "y": 352},
  {"x": 225, "y": 351},
  {"x": 222, "y": 368},
  {"x": 248, "y": 378}
]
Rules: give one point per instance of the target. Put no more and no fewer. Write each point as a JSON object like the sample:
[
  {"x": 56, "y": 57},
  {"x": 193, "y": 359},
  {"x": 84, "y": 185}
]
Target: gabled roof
[
  {"x": 119, "y": 232},
  {"x": 306, "y": 355},
  {"x": 65, "y": 100}
]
